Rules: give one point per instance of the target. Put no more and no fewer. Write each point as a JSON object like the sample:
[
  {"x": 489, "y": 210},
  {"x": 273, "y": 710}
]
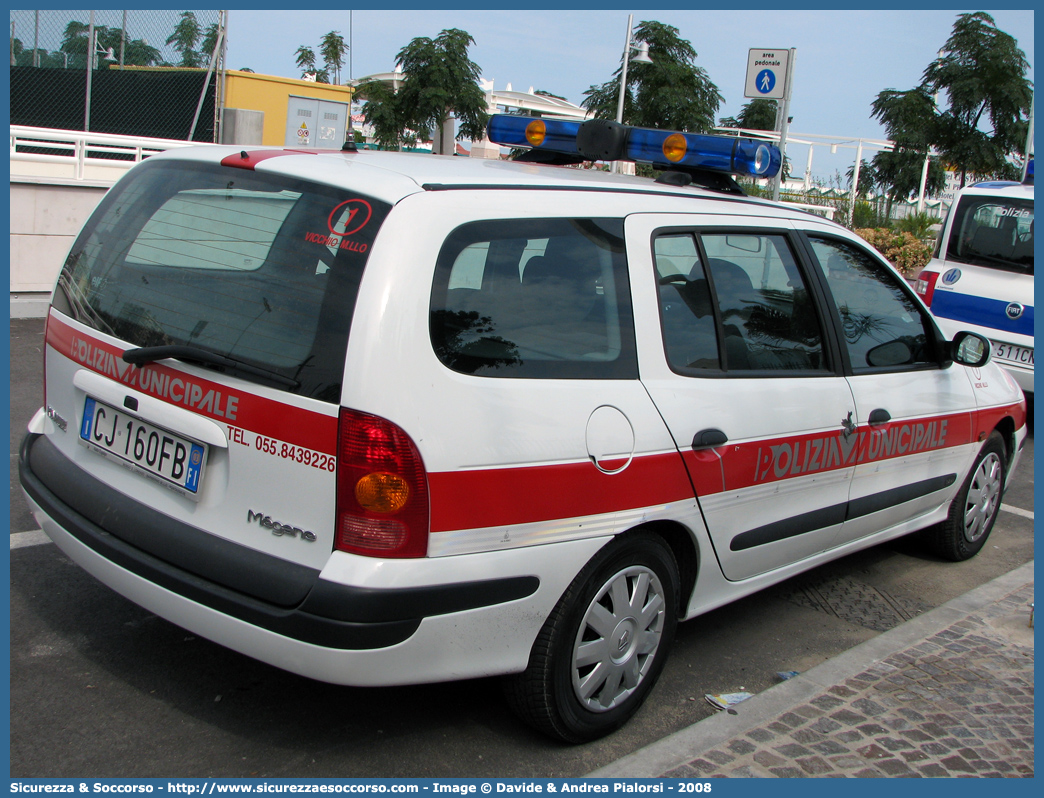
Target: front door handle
[
  {"x": 709, "y": 438},
  {"x": 879, "y": 417}
]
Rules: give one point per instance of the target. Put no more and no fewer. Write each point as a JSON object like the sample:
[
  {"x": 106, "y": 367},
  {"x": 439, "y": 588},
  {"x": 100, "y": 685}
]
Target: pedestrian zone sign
[{"x": 767, "y": 73}]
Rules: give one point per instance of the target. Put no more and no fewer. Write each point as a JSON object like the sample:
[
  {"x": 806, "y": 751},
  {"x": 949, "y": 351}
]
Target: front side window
[
  {"x": 260, "y": 270},
  {"x": 735, "y": 302},
  {"x": 535, "y": 298},
  {"x": 883, "y": 327}
]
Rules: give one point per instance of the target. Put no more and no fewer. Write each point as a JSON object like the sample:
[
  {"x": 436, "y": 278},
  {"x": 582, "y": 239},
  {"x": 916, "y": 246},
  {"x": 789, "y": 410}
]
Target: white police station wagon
[
  {"x": 981, "y": 277},
  {"x": 380, "y": 418}
]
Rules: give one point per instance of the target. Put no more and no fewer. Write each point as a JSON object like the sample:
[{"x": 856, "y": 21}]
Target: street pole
[
  {"x": 623, "y": 71},
  {"x": 784, "y": 124},
  {"x": 90, "y": 72},
  {"x": 924, "y": 182},
  {"x": 623, "y": 80},
  {"x": 855, "y": 182}
]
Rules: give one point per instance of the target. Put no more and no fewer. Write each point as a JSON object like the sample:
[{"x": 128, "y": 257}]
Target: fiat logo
[{"x": 1014, "y": 310}]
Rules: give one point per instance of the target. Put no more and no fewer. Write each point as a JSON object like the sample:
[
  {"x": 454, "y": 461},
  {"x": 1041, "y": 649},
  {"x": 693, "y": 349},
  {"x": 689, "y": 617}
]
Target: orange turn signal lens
[
  {"x": 536, "y": 131},
  {"x": 381, "y": 492},
  {"x": 674, "y": 147}
]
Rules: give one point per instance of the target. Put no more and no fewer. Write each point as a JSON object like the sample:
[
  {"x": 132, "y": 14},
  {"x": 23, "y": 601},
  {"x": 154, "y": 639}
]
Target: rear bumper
[{"x": 105, "y": 531}]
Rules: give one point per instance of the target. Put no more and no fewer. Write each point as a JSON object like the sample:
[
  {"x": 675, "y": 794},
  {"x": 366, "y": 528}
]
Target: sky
[{"x": 844, "y": 58}]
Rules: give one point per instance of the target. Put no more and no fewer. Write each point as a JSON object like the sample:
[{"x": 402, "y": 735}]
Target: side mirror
[
  {"x": 893, "y": 353},
  {"x": 970, "y": 349}
]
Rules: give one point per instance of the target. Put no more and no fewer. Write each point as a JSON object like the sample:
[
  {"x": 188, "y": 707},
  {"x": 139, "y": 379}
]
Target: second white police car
[
  {"x": 981, "y": 277},
  {"x": 380, "y": 418}
]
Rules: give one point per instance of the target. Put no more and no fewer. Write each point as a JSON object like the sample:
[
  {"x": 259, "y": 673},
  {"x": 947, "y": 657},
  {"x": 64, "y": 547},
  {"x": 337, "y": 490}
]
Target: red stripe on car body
[{"x": 214, "y": 400}]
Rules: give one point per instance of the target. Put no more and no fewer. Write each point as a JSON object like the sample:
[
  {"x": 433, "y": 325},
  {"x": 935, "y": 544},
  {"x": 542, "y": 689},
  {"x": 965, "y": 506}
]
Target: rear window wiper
[{"x": 149, "y": 354}]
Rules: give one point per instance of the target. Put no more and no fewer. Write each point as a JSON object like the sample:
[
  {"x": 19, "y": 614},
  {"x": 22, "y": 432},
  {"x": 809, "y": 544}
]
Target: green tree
[
  {"x": 210, "y": 40},
  {"x": 910, "y": 119},
  {"x": 136, "y": 52},
  {"x": 758, "y": 114},
  {"x": 980, "y": 77},
  {"x": 868, "y": 178},
  {"x": 671, "y": 92},
  {"x": 184, "y": 39},
  {"x": 24, "y": 57},
  {"x": 305, "y": 59},
  {"x": 982, "y": 71},
  {"x": 74, "y": 44},
  {"x": 382, "y": 112},
  {"x": 899, "y": 174},
  {"x": 332, "y": 48},
  {"x": 439, "y": 79}
]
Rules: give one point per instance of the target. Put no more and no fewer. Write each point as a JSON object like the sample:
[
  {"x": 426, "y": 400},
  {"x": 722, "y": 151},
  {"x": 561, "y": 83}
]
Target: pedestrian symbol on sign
[{"x": 766, "y": 81}]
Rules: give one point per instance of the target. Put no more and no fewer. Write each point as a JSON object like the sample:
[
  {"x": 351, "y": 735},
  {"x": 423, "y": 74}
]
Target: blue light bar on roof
[
  {"x": 554, "y": 135},
  {"x": 599, "y": 139},
  {"x": 664, "y": 149}
]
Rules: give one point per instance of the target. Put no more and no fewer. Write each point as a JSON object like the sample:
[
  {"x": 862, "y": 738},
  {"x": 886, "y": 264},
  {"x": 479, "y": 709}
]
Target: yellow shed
[{"x": 296, "y": 112}]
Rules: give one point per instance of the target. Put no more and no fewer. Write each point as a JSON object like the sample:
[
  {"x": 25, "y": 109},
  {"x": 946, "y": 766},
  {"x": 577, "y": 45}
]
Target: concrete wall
[
  {"x": 242, "y": 127},
  {"x": 45, "y": 220}
]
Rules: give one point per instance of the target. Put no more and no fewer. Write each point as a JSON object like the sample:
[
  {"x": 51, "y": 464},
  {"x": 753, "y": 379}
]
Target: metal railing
[{"x": 78, "y": 156}]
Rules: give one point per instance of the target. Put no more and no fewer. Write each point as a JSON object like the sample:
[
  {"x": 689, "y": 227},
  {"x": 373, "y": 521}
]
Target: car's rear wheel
[
  {"x": 603, "y": 647},
  {"x": 974, "y": 509}
]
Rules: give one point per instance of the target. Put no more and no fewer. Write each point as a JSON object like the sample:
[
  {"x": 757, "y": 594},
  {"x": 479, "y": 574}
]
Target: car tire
[
  {"x": 603, "y": 647},
  {"x": 974, "y": 509}
]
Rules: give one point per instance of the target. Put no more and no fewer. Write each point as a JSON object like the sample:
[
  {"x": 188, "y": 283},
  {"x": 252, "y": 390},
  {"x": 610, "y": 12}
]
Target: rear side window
[
  {"x": 534, "y": 298},
  {"x": 992, "y": 231},
  {"x": 261, "y": 270}
]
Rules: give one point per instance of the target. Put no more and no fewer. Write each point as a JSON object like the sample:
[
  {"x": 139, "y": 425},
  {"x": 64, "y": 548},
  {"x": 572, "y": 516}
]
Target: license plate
[
  {"x": 176, "y": 461},
  {"x": 1018, "y": 355}
]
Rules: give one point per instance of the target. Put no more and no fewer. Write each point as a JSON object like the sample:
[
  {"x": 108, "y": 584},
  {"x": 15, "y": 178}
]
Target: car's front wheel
[
  {"x": 974, "y": 509},
  {"x": 603, "y": 647}
]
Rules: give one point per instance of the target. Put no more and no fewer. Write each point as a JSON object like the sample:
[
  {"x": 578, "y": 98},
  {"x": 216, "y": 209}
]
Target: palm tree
[
  {"x": 332, "y": 48},
  {"x": 305, "y": 58},
  {"x": 209, "y": 43},
  {"x": 184, "y": 39}
]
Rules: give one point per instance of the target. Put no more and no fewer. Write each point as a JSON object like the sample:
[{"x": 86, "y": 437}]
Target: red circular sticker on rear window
[{"x": 349, "y": 217}]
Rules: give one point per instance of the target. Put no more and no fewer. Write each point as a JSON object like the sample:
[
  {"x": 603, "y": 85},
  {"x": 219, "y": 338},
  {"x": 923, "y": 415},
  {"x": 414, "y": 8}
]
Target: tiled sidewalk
[{"x": 953, "y": 697}]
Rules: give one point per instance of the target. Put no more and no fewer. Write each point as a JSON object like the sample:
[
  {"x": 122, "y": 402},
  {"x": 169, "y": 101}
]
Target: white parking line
[
  {"x": 1017, "y": 511},
  {"x": 34, "y": 538}
]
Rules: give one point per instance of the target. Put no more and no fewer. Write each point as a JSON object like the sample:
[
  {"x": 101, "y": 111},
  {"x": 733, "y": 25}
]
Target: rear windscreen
[
  {"x": 993, "y": 231},
  {"x": 260, "y": 270}
]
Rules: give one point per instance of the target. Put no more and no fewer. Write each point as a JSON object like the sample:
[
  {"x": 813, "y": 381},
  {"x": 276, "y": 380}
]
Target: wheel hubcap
[
  {"x": 618, "y": 638},
  {"x": 983, "y": 497}
]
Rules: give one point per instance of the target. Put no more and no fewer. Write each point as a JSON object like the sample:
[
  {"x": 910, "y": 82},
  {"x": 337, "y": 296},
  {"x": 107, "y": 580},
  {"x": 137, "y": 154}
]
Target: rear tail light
[
  {"x": 382, "y": 489},
  {"x": 925, "y": 287}
]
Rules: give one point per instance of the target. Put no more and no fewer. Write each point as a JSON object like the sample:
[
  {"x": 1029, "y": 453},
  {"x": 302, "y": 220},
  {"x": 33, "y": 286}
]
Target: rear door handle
[
  {"x": 878, "y": 417},
  {"x": 709, "y": 438}
]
